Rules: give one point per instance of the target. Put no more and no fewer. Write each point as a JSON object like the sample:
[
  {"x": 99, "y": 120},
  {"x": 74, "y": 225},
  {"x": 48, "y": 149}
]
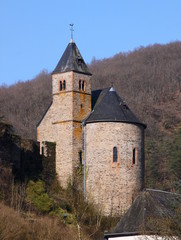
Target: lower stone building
[
  {"x": 154, "y": 215},
  {"x": 94, "y": 129}
]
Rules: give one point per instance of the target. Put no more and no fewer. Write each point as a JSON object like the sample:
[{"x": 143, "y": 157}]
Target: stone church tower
[
  {"x": 95, "y": 129},
  {"x": 71, "y": 93}
]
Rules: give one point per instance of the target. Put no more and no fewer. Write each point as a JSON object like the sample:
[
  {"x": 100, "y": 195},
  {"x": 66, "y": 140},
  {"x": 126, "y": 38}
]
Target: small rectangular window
[
  {"x": 80, "y": 158},
  {"x": 42, "y": 151}
]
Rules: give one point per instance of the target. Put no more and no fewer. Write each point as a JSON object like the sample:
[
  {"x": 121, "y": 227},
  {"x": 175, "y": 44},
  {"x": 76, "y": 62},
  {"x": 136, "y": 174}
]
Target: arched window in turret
[
  {"x": 64, "y": 84},
  {"x": 115, "y": 154},
  {"x": 135, "y": 156},
  {"x": 61, "y": 87}
]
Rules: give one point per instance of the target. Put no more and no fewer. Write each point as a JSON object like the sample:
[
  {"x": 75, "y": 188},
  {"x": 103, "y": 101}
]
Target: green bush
[
  {"x": 63, "y": 215},
  {"x": 37, "y": 197}
]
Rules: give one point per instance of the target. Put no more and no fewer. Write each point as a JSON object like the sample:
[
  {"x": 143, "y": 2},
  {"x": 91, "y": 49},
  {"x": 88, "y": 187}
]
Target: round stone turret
[{"x": 114, "y": 159}]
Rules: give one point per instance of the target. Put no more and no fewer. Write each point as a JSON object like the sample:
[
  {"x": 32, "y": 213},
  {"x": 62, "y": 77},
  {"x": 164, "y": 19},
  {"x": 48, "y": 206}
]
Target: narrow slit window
[
  {"x": 60, "y": 85},
  {"x": 64, "y": 84},
  {"x": 115, "y": 154},
  {"x": 134, "y": 156},
  {"x": 80, "y": 158}
]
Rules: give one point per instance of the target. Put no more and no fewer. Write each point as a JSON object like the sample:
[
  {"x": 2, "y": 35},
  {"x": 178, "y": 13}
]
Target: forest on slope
[{"x": 148, "y": 79}]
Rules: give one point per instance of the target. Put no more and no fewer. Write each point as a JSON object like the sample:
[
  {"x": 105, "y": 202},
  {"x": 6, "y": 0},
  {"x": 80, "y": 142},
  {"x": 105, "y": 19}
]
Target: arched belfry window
[
  {"x": 64, "y": 84},
  {"x": 82, "y": 85},
  {"x": 115, "y": 154},
  {"x": 79, "y": 84},
  {"x": 61, "y": 87}
]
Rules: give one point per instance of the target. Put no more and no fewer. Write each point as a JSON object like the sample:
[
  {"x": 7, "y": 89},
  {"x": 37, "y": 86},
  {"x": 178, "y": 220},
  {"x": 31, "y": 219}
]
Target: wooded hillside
[{"x": 148, "y": 79}]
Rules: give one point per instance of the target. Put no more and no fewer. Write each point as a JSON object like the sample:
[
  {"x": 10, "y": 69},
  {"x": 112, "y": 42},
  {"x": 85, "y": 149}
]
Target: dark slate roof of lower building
[
  {"x": 149, "y": 206},
  {"x": 72, "y": 60},
  {"x": 107, "y": 106}
]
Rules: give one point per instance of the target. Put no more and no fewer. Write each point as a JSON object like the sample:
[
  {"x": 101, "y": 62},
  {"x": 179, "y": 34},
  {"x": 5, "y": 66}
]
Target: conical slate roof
[
  {"x": 109, "y": 107},
  {"x": 72, "y": 60}
]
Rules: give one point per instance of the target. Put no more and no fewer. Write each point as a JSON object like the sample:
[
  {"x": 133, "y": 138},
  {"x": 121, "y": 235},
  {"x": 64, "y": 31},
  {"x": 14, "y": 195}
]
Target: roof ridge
[{"x": 161, "y": 191}]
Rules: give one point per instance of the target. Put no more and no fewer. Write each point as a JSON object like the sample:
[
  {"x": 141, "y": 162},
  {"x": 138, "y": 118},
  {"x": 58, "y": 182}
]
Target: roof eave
[
  {"x": 85, "y": 73},
  {"x": 111, "y": 120},
  {"x": 123, "y": 234}
]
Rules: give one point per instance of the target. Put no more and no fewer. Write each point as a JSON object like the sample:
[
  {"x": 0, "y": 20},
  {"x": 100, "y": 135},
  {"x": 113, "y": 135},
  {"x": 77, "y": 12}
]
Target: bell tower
[{"x": 71, "y": 94}]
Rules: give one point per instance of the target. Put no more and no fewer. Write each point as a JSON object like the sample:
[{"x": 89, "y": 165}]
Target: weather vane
[{"x": 71, "y": 29}]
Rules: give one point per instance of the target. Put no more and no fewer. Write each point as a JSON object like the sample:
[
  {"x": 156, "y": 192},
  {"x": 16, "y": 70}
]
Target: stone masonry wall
[
  {"x": 112, "y": 186},
  {"x": 62, "y": 122},
  {"x": 61, "y": 134},
  {"x": 72, "y": 81},
  {"x": 81, "y": 109}
]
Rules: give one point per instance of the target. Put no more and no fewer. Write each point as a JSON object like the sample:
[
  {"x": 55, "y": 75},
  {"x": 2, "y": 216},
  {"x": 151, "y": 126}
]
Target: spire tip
[{"x": 71, "y": 30}]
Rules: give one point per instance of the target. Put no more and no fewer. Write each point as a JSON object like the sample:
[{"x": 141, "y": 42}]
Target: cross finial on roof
[{"x": 71, "y": 30}]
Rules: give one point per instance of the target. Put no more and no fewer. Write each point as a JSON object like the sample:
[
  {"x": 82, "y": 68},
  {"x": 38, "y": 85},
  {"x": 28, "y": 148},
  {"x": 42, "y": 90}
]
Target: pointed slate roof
[
  {"x": 149, "y": 205},
  {"x": 72, "y": 60},
  {"x": 109, "y": 107}
]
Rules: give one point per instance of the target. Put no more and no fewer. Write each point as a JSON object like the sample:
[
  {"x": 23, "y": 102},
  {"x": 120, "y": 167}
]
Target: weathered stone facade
[
  {"x": 112, "y": 186},
  {"x": 62, "y": 122}
]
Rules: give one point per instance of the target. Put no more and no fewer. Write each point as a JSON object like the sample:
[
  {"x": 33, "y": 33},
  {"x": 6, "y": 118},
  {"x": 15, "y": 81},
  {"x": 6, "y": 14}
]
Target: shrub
[{"x": 37, "y": 197}]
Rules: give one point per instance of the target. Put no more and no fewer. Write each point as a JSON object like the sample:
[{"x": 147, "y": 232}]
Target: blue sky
[{"x": 34, "y": 33}]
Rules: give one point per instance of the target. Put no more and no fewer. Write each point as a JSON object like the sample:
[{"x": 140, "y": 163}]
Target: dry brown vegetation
[
  {"x": 14, "y": 226},
  {"x": 34, "y": 211},
  {"x": 24, "y": 103}
]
